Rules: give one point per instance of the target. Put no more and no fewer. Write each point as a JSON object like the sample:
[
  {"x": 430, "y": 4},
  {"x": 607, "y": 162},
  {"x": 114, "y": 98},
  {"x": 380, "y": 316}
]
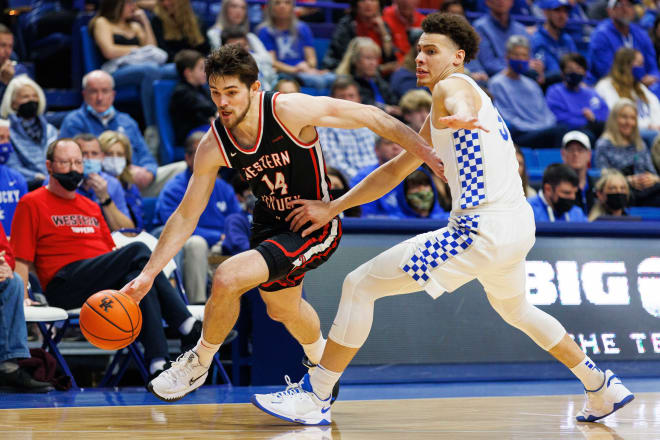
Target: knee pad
[{"x": 544, "y": 329}]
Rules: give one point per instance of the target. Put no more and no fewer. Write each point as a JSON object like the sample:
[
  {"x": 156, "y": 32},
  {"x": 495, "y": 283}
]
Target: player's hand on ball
[
  {"x": 138, "y": 287},
  {"x": 316, "y": 212}
]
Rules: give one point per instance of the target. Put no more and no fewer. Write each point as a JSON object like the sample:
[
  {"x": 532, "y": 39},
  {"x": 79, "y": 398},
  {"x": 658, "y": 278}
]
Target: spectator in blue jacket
[
  {"x": 12, "y": 183},
  {"x": 520, "y": 100},
  {"x": 98, "y": 114},
  {"x": 8, "y": 67},
  {"x": 117, "y": 158},
  {"x": 237, "y": 225},
  {"x": 495, "y": 29},
  {"x": 417, "y": 197},
  {"x": 574, "y": 104},
  {"x": 101, "y": 187},
  {"x": 616, "y": 32},
  {"x": 385, "y": 150},
  {"x": 551, "y": 42},
  {"x": 24, "y": 103},
  {"x": 211, "y": 223},
  {"x": 555, "y": 202}
]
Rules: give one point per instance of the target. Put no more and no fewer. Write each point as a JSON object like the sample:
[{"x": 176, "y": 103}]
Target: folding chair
[{"x": 45, "y": 318}]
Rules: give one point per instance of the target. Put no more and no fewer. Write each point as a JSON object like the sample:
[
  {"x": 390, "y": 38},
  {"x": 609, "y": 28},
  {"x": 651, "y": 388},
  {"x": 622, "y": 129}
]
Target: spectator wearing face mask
[
  {"x": 520, "y": 100},
  {"x": 612, "y": 195},
  {"x": 551, "y": 42},
  {"x": 23, "y": 104},
  {"x": 12, "y": 183},
  {"x": 417, "y": 197},
  {"x": 574, "y": 104},
  {"x": 555, "y": 202},
  {"x": 117, "y": 158},
  {"x": 101, "y": 187}
]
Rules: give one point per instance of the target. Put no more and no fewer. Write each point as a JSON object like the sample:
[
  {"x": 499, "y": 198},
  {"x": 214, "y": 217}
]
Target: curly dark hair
[
  {"x": 232, "y": 60},
  {"x": 457, "y": 29}
]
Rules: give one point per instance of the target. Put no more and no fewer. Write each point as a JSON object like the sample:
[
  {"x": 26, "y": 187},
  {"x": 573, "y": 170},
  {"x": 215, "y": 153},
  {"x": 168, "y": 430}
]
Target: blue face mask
[
  {"x": 5, "y": 150},
  {"x": 519, "y": 66},
  {"x": 109, "y": 111},
  {"x": 91, "y": 166},
  {"x": 638, "y": 72}
]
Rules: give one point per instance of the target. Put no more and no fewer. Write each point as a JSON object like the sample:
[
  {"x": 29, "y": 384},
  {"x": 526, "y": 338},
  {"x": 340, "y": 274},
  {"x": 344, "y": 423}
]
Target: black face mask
[
  {"x": 70, "y": 180},
  {"x": 28, "y": 110},
  {"x": 573, "y": 79},
  {"x": 562, "y": 205},
  {"x": 616, "y": 201}
]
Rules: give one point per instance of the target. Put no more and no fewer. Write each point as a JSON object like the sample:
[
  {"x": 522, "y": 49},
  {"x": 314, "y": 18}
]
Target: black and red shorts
[{"x": 289, "y": 255}]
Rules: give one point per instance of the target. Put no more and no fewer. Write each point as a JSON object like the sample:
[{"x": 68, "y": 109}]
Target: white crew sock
[
  {"x": 156, "y": 364},
  {"x": 205, "y": 350},
  {"x": 314, "y": 351},
  {"x": 322, "y": 381},
  {"x": 187, "y": 326},
  {"x": 589, "y": 374}
]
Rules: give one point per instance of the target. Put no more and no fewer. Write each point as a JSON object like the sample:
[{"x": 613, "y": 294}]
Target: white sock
[
  {"x": 156, "y": 364},
  {"x": 205, "y": 350},
  {"x": 323, "y": 381},
  {"x": 314, "y": 351},
  {"x": 187, "y": 326},
  {"x": 589, "y": 374}
]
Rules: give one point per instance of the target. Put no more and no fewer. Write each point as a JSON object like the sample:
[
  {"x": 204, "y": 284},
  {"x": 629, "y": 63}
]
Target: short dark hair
[
  {"x": 232, "y": 33},
  {"x": 574, "y": 57},
  {"x": 50, "y": 151},
  {"x": 5, "y": 30},
  {"x": 232, "y": 60},
  {"x": 416, "y": 178},
  {"x": 342, "y": 83},
  {"x": 186, "y": 59},
  {"x": 455, "y": 27},
  {"x": 444, "y": 7},
  {"x": 557, "y": 173},
  {"x": 85, "y": 137}
]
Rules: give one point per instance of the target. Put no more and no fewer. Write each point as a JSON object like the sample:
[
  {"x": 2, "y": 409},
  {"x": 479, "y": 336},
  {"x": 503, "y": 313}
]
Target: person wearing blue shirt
[
  {"x": 97, "y": 114},
  {"x": 495, "y": 29},
  {"x": 211, "y": 223},
  {"x": 9, "y": 68},
  {"x": 551, "y": 42},
  {"x": 555, "y": 202},
  {"x": 616, "y": 32},
  {"x": 520, "y": 100},
  {"x": 574, "y": 104},
  {"x": 12, "y": 184},
  {"x": 292, "y": 45}
]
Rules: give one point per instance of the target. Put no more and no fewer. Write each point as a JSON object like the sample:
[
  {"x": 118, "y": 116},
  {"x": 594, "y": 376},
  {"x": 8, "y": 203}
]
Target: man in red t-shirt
[
  {"x": 401, "y": 17},
  {"x": 13, "y": 333},
  {"x": 63, "y": 236}
]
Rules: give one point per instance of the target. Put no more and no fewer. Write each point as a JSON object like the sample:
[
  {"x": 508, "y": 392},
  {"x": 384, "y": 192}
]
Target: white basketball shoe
[
  {"x": 184, "y": 376},
  {"x": 610, "y": 397},
  {"x": 297, "y": 404}
]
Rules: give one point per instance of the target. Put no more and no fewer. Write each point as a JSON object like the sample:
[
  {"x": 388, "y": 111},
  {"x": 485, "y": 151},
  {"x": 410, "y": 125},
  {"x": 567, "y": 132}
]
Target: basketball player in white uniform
[{"x": 490, "y": 232}]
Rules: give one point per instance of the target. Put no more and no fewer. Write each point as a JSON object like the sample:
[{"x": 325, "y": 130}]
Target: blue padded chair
[
  {"x": 169, "y": 152},
  {"x": 548, "y": 156},
  {"x": 647, "y": 213},
  {"x": 320, "y": 46},
  {"x": 92, "y": 60}
]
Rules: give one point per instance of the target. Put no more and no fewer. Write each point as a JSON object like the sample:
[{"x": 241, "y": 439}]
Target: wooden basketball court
[{"x": 517, "y": 417}]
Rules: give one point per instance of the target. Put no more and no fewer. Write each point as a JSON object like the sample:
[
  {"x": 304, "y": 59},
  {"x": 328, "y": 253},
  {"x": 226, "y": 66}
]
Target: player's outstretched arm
[
  {"x": 460, "y": 103},
  {"x": 378, "y": 183},
  {"x": 182, "y": 222},
  {"x": 299, "y": 111}
]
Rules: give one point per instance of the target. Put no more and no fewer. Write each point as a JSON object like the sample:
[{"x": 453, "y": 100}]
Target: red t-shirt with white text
[{"x": 51, "y": 231}]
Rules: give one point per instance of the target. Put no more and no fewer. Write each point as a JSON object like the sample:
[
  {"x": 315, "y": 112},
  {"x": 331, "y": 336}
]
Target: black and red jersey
[{"x": 279, "y": 167}]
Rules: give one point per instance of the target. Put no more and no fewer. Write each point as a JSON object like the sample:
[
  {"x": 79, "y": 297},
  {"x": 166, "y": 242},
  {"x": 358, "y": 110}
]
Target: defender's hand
[
  {"x": 432, "y": 159},
  {"x": 316, "y": 212},
  {"x": 138, "y": 287},
  {"x": 460, "y": 121}
]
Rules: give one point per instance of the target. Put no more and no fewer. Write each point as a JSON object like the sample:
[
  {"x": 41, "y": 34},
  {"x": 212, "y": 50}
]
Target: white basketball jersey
[{"x": 481, "y": 167}]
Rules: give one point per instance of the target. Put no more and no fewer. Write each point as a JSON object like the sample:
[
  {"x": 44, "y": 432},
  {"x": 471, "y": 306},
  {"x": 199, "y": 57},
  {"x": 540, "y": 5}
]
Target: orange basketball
[{"x": 110, "y": 320}]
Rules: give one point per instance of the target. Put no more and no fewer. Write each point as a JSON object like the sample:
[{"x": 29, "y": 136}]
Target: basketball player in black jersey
[{"x": 272, "y": 141}]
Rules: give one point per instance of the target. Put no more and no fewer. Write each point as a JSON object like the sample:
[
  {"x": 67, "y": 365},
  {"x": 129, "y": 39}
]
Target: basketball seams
[
  {"x": 130, "y": 320},
  {"x": 101, "y": 338},
  {"x": 99, "y": 313},
  {"x": 91, "y": 325}
]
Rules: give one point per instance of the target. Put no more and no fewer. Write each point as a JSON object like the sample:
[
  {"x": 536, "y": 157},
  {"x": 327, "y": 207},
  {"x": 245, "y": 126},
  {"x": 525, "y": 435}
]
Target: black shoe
[
  {"x": 189, "y": 341},
  {"x": 21, "y": 382},
  {"x": 310, "y": 365}
]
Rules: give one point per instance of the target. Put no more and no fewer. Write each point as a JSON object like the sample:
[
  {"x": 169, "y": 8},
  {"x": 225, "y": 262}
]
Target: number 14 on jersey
[{"x": 280, "y": 183}]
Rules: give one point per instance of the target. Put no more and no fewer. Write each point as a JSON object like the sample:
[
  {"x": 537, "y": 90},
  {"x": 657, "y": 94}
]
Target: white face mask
[{"x": 114, "y": 165}]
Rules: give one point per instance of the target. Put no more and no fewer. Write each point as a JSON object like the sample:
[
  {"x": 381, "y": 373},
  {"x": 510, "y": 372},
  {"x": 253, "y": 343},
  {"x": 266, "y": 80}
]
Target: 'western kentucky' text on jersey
[{"x": 279, "y": 167}]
